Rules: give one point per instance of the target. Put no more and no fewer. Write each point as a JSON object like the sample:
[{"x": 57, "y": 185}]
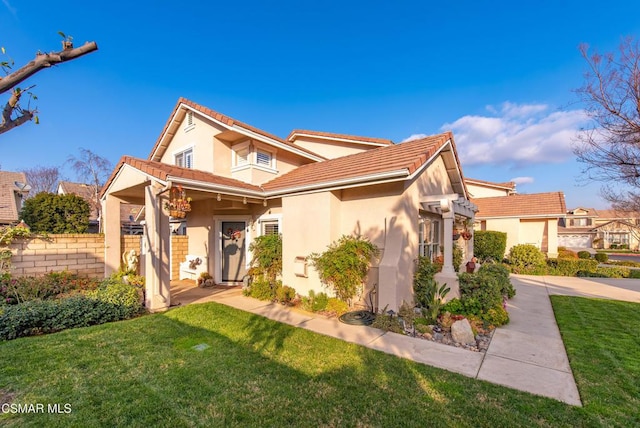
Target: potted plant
[{"x": 205, "y": 280}]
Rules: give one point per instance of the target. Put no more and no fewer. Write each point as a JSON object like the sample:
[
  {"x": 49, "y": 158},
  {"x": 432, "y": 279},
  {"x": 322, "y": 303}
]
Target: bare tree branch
[{"x": 43, "y": 61}]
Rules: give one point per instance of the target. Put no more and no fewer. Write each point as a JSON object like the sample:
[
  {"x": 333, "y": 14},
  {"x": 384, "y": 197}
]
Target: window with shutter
[
  {"x": 184, "y": 159},
  {"x": 263, "y": 158},
  {"x": 270, "y": 227}
]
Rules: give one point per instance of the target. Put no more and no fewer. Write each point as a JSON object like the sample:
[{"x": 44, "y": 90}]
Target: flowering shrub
[{"x": 53, "y": 285}]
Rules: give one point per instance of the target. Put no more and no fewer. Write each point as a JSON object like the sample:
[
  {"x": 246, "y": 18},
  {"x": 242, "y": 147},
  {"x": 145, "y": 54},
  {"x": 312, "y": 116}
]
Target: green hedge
[
  {"x": 571, "y": 267},
  {"x": 489, "y": 245},
  {"x": 48, "y": 316}
]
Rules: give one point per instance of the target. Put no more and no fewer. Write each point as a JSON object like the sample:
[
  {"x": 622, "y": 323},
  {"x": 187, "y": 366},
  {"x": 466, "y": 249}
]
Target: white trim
[
  {"x": 183, "y": 149},
  {"x": 340, "y": 139},
  {"x": 217, "y": 244},
  {"x": 229, "y": 190},
  {"x": 269, "y": 217},
  {"x": 126, "y": 165}
]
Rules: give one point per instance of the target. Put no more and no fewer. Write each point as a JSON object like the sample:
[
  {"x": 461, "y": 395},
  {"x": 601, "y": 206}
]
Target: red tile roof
[
  {"x": 615, "y": 214},
  {"x": 164, "y": 172},
  {"x": 522, "y": 205},
  {"x": 295, "y": 133},
  {"x": 508, "y": 184},
  {"x": 407, "y": 156},
  {"x": 225, "y": 120}
]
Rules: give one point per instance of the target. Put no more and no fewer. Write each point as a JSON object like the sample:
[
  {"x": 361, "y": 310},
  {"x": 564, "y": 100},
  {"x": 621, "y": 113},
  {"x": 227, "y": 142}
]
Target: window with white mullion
[
  {"x": 184, "y": 159},
  {"x": 270, "y": 227},
  {"x": 263, "y": 158}
]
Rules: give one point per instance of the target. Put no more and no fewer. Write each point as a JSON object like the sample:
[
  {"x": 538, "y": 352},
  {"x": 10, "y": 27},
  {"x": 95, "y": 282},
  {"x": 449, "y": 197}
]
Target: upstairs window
[
  {"x": 184, "y": 159},
  {"x": 263, "y": 158},
  {"x": 242, "y": 156},
  {"x": 188, "y": 121}
]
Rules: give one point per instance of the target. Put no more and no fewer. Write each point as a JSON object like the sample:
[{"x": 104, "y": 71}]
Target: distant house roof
[
  {"x": 615, "y": 214},
  {"x": 168, "y": 131},
  {"x": 10, "y": 183},
  {"x": 522, "y": 205},
  {"x": 85, "y": 191},
  {"x": 508, "y": 185},
  {"x": 296, "y": 133},
  {"x": 398, "y": 161},
  {"x": 589, "y": 212}
]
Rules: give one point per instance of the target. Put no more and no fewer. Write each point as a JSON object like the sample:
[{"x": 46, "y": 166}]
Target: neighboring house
[
  {"x": 576, "y": 229},
  {"x": 13, "y": 191},
  {"x": 487, "y": 189},
  {"x": 237, "y": 182},
  {"x": 525, "y": 218},
  {"x": 88, "y": 193},
  {"x": 604, "y": 229}
]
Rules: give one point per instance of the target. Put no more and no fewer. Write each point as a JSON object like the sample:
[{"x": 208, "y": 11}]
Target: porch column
[
  {"x": 448, "y": 217},
  {"x": 157, "y": 257},
  {"x": 111, "y": 223}
]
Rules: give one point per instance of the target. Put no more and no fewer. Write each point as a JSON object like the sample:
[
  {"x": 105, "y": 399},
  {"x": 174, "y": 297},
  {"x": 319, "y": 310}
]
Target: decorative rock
[{"x": 461, "y": 332}]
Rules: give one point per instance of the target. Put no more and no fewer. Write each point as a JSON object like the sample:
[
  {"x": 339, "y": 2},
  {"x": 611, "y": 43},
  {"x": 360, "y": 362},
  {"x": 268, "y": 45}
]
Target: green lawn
[{"x": 257, "y": 372}]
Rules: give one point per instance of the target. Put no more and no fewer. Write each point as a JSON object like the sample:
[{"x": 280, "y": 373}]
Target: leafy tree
[
  {"x": 53, "y": 213},
  {"x": 610, "y": 146},
  {"x": 42, "y": 178},
  {"x": 15, "y": 113}
]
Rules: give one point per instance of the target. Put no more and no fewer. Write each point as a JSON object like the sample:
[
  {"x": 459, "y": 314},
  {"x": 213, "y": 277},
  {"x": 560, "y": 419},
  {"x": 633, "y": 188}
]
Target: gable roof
[
  {"x": 165, "y": 173},
  {"x": 394, "y": 162},
  {"x": 397, "y": 161},
  {"x": 227, "y": 122},
  {"x": 615, "y": 214},
  {"x": 296, "y": 133},
  {"x": 549, "y": 204},
  {"x": 8, "y": 208},
  {"x": 508, "y": 185},
  {"x": 589, "y": 212}
]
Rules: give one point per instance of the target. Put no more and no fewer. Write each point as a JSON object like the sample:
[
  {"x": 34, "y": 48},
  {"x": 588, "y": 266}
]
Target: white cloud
[
  {"x": 414, "y": 137},
  {"x": 516, "y": 134},
  {"x": 522, "y": 180}
]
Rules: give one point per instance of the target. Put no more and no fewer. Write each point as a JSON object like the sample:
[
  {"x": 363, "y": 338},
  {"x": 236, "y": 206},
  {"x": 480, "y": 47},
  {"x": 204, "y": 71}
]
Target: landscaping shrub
[
  {"x": 454, "y": 306},
  {"x": 584, "y": 255},
  {"x": 267, "y": 256},
  {"x": 261, "y": 289},
  {"x": 563, "y": 253},
  {"x": 482, "y": 294},
  {"x": 53, "y": 285},
  {"x": 501, "y": 275},
  {"x": 456, "y": 256},
  {"x": 126, "y": 298},
  {"x": 428, "y": 294},
  {"x": 634, "y": 273},
  {"x": 285, "y": 294},
  {"x": 335, "y": 306},
  {"x": 315, "y": 302},
  {"x": 602, "y": 257},
  {"x": 489, "y": 245},
  {"x": 343, "y": 267},
  {"x": 48, "y": 316},
  {"x": 570, "y": 267},
  {"x": 386, "y": 322},
  {"x": 526, "y": 259},
  {"x": 53, "y": 213}
]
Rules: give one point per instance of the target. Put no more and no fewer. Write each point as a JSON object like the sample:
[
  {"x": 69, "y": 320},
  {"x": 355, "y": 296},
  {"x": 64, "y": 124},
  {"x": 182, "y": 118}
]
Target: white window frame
[
  {"x": 269, "y": 219},
  {"x": 429, "y": 246},
  {"x": 184, "y": 150},
  {"x": 260, "y": 148},
  {"x": 236, "y": 163}
]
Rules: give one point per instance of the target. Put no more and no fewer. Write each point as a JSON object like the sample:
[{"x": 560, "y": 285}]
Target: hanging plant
[{"x": 178, "y": 204}]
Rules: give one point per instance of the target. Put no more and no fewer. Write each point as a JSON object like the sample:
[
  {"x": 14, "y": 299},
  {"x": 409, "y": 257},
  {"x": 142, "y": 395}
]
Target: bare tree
[
  {"x": 42, "y": 179},
  {"x": 14, "y": 113},
  {"x": 610, "y": 146},
  {"x": 92, "y": 169}
]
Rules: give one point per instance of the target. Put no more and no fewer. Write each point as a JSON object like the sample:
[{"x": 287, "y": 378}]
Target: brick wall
[
  {"x": 179, "y": 251},
  {"x": 81, "y": 254}
]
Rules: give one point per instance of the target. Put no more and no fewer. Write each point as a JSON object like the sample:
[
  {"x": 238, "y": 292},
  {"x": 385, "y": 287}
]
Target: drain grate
[{"x": 358, "y": 318}]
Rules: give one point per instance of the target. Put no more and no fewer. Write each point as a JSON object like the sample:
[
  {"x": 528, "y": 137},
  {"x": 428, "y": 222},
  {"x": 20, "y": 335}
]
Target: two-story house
[
  {"x": 229, "y": 182},
  {"x": 602, "y": 229}
]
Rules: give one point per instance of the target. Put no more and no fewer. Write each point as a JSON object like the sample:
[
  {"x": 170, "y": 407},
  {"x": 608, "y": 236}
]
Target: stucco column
[
  {"x": 111, "y": 223},
  {"x": 157, "y": 258},
  {"x": 447, "y": 267}
]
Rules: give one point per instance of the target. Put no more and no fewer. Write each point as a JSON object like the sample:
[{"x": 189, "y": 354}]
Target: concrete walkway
[{"x": 527, "y": 354}]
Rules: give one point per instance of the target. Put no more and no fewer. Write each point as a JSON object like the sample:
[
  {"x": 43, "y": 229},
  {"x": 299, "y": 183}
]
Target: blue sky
[{"x": 498, "y": 74}]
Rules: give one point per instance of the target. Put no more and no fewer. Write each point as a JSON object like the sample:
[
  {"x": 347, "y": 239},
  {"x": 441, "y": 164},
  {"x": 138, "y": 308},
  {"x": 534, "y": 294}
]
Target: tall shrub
[
  {"x": 267, "y": 256},
  {"x": 489, "y": 245},
  {"x": 428, "y": 294},
  {"x": 52, "y": 213},
  {"x": 343, "y": 267},
  {"x": 527, "y": 258}
]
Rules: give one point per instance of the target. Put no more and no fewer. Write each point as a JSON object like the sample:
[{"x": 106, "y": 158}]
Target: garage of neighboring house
[{"x": 573, "y": 239}]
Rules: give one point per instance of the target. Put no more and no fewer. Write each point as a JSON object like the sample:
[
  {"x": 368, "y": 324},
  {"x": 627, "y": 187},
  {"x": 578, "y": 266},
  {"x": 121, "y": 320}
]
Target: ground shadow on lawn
[{"x": 251, "y": 371}]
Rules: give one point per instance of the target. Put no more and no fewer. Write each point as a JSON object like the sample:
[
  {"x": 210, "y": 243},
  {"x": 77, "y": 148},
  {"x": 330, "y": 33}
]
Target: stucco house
[
  {"x": 603, "y": 229},
  {"x": 525, "y": 218},
  {"x": 13, "y": 191},
  {"x": 228, "y": 182}
]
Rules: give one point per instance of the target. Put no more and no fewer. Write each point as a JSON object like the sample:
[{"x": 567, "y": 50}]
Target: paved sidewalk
[{"x": 527, "y": 354}]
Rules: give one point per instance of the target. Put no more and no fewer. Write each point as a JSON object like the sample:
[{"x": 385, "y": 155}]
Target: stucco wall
[{"x": 540, "y": 232}]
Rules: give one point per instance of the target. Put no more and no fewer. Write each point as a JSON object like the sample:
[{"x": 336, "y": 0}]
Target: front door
[{"x": 233, "y": 251}]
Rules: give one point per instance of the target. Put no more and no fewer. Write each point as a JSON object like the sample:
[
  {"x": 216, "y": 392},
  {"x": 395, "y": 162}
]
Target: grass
[{"x": 257, "y": 372}]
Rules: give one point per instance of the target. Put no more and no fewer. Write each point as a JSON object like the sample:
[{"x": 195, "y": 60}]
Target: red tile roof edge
[{"x": 331, "y": 135}]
